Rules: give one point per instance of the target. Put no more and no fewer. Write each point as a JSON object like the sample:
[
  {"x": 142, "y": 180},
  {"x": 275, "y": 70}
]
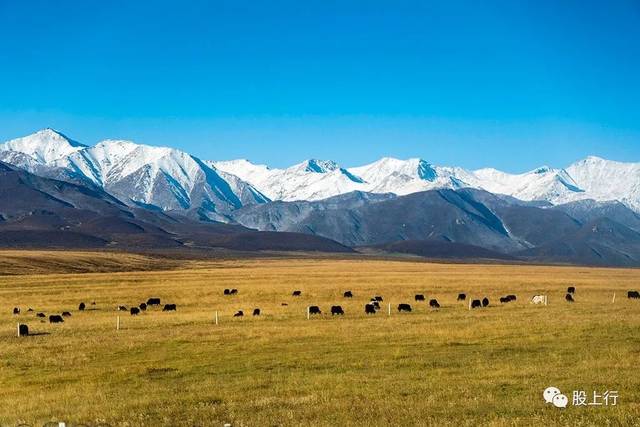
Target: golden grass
[
  {"x": 15, "y": 262},
  {"x": 446, "y": 367}
]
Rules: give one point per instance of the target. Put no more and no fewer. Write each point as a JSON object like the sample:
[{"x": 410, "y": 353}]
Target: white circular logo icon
[
  {"x": 560, "y": 401},
  {"x": 549, "y": 393}
]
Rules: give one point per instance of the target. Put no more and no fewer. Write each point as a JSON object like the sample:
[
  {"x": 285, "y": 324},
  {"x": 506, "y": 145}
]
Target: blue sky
[{"x": 510, "y": 84}]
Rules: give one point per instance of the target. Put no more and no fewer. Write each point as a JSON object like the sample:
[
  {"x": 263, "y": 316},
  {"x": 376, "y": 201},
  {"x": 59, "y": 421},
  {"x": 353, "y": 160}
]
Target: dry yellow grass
[{"x": 445, "y": 367}]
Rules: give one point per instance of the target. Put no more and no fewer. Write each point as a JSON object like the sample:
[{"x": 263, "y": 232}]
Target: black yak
[
  {"x": 23, "y": 330},
  {"x": 314, "y": 309},
  {"x": 419, "y": 297},
  {"x": 56, "y": 318},
  {"x": 404, "y": 307},
  {"x": 336, "y": 310},
  {"x": 169, "y": 307}
]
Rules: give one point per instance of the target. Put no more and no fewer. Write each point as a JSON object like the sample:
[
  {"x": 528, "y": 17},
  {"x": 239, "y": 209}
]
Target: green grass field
[{"x": 447, "y": 367}]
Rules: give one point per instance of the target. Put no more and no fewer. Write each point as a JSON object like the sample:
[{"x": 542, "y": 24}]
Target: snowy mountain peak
[
  {"x": 44, "y": 146},
  {"x": 541, "y": 170},
  {"x": 317, "y": 166}
]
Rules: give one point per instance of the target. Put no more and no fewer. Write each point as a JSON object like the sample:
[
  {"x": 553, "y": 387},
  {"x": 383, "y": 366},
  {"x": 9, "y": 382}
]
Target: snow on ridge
[
  {"x": 44, "y": 146},
  {"x": 111, "y": 162}
]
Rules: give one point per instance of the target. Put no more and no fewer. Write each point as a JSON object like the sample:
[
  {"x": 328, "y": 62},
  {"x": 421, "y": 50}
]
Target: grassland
[{"x": 445, "y": 367}]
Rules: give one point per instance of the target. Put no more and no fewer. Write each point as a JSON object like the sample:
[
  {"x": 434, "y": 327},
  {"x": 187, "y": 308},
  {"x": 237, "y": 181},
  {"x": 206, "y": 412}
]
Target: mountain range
[{"x": 585, "y": 213}]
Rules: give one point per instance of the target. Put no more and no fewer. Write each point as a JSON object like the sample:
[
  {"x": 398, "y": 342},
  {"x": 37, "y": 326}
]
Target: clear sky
[{"x": 510, "y": 84}]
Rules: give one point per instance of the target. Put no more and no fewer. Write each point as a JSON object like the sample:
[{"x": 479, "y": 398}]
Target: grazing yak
[
  {"x": 143, "y": 307},
  {"x": 485, "y": 302},
  {"x": 508, "y": 298},
  {"x": 233, "y": 292},
  {"x": 256, "y": 312},
  {"x": 369, "y": 309},
  {"x": 284, "y": 304},
  {"x": 81, "y": 307},
  {"x": 476, "y": 303},
  {"x": 375, "y": 304},
  {"x": 296, "y": 293},
  {"x": 633, "y": 295},
  {"x": 16, "y": 310},
  {"x": 348, "y": 294},
  {"x": 434, "y": 303},
  {"x": 404, "y": 307},
  {"x": 122, "y": 308},
  {"x": 419, "y": 297},
  {"x": 227, "y": 291},
  {"x": 538, "y": 299},
  {"x": 239, "y": 313},
  {"x": 569, "y": 298},
  {"x": 462, "y": 297},
  {"x": 56, "y": 318},
  {"x": 378, "y": 298},
  {"x": 336, "y": 310},
  {"x": 153, "y": 301},
  {"x": 23, "y": 330},
  {"x": 134, "y": 311},
  {"x": 66, "y": 314},
  {"x": 169, "y": 307},
  {"x": 314, "y": 309},
  {"x": 571, "y": 290},
  {"x": 40, "y": 315}
]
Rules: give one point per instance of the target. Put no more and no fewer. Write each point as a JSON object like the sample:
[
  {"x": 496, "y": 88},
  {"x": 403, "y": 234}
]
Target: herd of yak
[
  {"x": 134, "y": 311},
  {"x": 370, "y": 307},
  {"x": 373, "y": 306}
]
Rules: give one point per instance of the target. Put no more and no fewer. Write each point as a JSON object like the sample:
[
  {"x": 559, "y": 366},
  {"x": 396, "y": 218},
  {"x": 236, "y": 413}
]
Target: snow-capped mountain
[
  {"x": 309, "y": 180},
  {"x": 171, "y": 179},
  {"x": 137, "y": 174},
  {"x": 606, "y": 180},
  {"x": 44, "y": 146},
  {"x": 592, "y": 178}
]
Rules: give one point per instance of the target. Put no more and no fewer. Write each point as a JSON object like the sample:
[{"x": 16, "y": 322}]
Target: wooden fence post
[
  {"x": 614, "y": 298},
  {"x": 308, "y": 314},
  {"x": 216, "y": 317},
  {"x": 389, "y": 310},
  {"x": 117, "y": 323}
]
